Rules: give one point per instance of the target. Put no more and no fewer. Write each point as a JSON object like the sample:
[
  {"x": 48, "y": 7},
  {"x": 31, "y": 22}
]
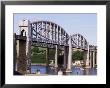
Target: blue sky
[{"x": 84, "y": 24}]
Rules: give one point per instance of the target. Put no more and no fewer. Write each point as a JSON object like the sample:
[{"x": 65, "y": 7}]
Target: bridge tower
[{"x": 24, "y": 26}]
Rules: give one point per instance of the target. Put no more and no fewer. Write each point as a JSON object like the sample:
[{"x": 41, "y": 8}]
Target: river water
[{"x": 75, "y": 70}]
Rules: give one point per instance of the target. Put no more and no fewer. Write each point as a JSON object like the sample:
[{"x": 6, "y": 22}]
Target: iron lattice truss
[
  {"x": 49, "y": 34},
  {"x": 78, "y": 41}
]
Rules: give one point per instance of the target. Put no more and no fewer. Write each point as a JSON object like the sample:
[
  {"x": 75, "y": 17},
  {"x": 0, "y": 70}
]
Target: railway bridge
[{"x": 49, "y": 35}]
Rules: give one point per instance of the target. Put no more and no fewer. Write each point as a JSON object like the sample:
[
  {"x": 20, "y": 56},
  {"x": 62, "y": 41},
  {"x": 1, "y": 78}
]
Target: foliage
[
  {"x": 51, "y": 54},
  {"x": 39, "y": 54},
  {"x": 35, "y": 50},
  {"x": 38, "y": 58},
  {"x": 78, "y": 55}
]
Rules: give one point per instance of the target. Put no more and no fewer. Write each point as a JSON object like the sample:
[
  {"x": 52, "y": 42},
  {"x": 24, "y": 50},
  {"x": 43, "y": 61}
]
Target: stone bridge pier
[
  {"x": 23, "y": 41},
  {"x": 20, "y": 64},
  {"x": 93, "y": 56},
  {"x": 65, "y": 56}
]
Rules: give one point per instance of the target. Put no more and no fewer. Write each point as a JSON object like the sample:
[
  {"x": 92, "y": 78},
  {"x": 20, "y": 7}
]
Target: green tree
[
  {"x": 38, "y": 55},
  {"x": 35, "y": 50},
  {"x": 78, "y": 55},
  {"x": 51, "y": 54}
]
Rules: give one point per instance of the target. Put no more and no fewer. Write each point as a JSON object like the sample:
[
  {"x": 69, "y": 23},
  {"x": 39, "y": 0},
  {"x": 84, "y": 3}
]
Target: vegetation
[
  {"x": 39, "y": 54},
  {"x": 78, "y": 55},
  {"x": 51, "y": 54}
]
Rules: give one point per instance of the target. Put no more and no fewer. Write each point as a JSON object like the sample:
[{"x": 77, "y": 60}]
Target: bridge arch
[
  {"x": 79, "y": 41},
  {"x": 48, "y": 32}
]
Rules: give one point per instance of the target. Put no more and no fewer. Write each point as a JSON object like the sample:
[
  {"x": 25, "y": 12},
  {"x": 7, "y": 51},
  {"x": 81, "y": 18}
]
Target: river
[{"x": 75, "y": 70}]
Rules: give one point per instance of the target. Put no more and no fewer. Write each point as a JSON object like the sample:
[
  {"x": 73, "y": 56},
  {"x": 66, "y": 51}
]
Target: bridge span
[{"x": 50, "y": 35}]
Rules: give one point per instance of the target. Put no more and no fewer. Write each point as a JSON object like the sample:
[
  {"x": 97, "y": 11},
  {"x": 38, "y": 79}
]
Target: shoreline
[{"x": 41, "y": 64}]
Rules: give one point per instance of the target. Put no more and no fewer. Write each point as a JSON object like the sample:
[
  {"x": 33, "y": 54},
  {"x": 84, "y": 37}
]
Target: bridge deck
[
  {"x": 44, "y": 43},
  {"x": 19, "y": 37}
]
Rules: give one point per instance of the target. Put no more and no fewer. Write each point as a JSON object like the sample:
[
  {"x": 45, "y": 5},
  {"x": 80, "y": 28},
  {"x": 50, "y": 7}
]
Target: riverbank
[
  {"x": 40, "y": 64},
  {"x": 36, "y": 74}
]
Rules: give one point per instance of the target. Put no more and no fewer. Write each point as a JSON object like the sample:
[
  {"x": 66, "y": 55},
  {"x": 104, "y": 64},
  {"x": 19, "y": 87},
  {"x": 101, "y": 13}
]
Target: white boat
[
  {"x": 60, "y": 72},
  {"x": 81, "y": 68}
]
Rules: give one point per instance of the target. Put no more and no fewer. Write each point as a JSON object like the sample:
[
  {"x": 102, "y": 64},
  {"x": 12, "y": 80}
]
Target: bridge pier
[
  {"x": 56, "y": 56},
  {"x": 87, "y": 60},
  {"x": 90, "y": 63},
  {"x": 69, "y": 56},
  {"x": 25, "y": 31},
  {"x": 47, "y": 60},
  {"x": 65, "y": 56},
  {"x": 15, "y": 53},
  {"x": 28, "y": 56},
  {"x": 21, "y": 56},
  {"x": 93, "y": 57}
]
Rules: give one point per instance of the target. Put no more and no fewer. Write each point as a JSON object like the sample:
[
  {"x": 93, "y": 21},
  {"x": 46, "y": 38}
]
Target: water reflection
[{"x": 53, "y": 71}]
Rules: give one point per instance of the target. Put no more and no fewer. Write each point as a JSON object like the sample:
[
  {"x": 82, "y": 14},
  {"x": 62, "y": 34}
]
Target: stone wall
[{"x": 22, "y": 57}]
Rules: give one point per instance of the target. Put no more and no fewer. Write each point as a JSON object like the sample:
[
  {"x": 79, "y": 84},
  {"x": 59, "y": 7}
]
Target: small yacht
[
  {"x": 52, "y": 67},
  {"x": 60, "y": 72},
  {"x": 81, "y": 68},
  {"x": 38, "y": 71}
]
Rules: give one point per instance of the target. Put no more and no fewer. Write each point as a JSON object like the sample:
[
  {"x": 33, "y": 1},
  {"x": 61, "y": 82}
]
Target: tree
[
  {"x": 35, "y": 50},
  {"x": 39, "y": 55},
  {"x": 78, "y": 55},
  {"x": 51, "y": 54}
]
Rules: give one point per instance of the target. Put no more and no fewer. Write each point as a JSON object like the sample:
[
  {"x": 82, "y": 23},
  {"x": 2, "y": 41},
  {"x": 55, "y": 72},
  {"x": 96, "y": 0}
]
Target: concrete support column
[
  {"x": 56, "y": 56},
  {"x": 65, "y": 56},
  {"x": 69, "y": 56},
  {"x": 90, "y": 60},
  {"x": 47, "y": 60},
  {"x": 28, "y": 55},
  {"x": 87, "y": 60},
  {"x": 93, "y": 58}
]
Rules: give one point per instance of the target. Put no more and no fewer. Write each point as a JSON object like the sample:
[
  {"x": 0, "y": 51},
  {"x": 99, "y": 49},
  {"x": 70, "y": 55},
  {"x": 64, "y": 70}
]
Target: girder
[
  {"x": 45, "y": 45},
  {"x": 51, "y": 33},
  {"x": 48, "y": 32},
  {"x": 78, "y": 41}
]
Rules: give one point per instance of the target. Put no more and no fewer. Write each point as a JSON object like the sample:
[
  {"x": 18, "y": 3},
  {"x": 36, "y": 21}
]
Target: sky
[{"x": 84, "y": 24}]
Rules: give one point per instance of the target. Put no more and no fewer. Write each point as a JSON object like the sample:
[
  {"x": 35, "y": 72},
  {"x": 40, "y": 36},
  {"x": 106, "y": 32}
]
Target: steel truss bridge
[{"x": 50, "y": 35}]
